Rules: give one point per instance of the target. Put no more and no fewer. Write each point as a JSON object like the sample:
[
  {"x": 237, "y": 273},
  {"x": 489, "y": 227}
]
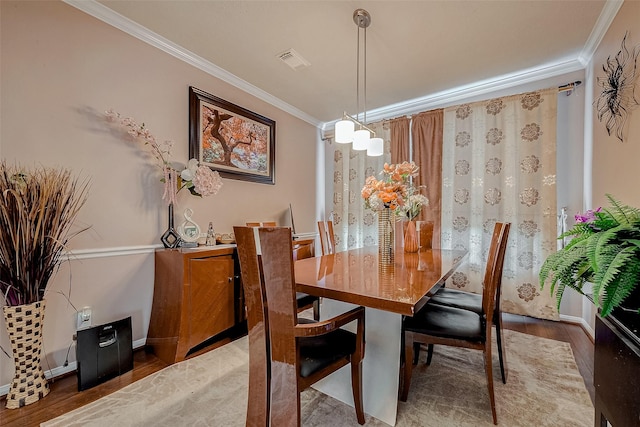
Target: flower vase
[
  {"x": 24, "y": 327},
  {"x": 410, "y": 237},
  {"x": 385, "y": 235},
  {"x": 170, "y": 238}
]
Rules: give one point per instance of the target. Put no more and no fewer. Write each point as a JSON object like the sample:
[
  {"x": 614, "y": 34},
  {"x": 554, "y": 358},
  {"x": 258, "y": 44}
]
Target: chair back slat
[
  {"x": 327, "y": 238},
  {"x": 279, "y": 284},
  {"x": 257, "y": 325},
  {"x": 493, "y": 271}
]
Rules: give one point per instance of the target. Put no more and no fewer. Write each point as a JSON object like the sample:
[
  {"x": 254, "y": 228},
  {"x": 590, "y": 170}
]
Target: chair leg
[
  {"x": 356, "y": 385},
  {"x": 501, "y": 352},
  {"x": 416, "y": 352},
  {"x": 408, "y": 366},
  {"x": 429, "y": 354},
  {"x": 488, "y": 367}
]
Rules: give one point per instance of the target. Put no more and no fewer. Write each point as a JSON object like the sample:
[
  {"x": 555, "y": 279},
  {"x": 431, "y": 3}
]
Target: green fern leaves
[{"x": 605, "y": 250}]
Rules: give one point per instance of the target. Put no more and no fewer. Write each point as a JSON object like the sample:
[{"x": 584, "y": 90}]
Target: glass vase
[{"x": 386, "y": 236}]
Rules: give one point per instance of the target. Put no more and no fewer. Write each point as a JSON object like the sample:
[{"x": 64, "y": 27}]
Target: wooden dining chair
[
  {"x": 306, "y": 249},
  {"x": 300, "y": 353},
  {"x": 444, "y": 325},
  {"x": 327, "y": 237},
  {"x": 262, "y": 224},
  {"x": 471, "y": 301},
  {"x": 258, "y": 333}
]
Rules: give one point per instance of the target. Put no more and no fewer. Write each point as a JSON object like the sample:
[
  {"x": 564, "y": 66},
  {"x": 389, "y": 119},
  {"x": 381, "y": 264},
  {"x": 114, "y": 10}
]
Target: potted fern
[
  {"x": 37, "y": 211},
  {"x": 604, "y": 251}
]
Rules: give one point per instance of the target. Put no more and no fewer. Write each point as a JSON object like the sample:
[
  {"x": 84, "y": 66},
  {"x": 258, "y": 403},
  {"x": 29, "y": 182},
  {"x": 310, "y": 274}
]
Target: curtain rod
[{"x": 569, "y": 87}]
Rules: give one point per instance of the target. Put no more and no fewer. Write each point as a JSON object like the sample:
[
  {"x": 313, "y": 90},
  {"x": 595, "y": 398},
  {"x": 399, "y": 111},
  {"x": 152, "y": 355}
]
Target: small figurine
[{"x": 211, "y": 236}]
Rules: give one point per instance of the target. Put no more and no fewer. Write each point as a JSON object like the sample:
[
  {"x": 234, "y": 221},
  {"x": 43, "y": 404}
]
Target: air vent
[{"x": 293, "y": 59}]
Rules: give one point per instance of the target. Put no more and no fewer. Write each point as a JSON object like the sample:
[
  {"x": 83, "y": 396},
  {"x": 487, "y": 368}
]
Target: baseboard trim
[
  {"x": 64, "y": 370},
  {"x": 579, "y": 321}
]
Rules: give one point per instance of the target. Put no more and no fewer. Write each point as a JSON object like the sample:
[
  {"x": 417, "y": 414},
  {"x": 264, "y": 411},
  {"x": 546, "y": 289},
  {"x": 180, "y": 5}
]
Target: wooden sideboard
[
  {"x": 197, "y": 300},
  {"x": 617, "y": 370}
]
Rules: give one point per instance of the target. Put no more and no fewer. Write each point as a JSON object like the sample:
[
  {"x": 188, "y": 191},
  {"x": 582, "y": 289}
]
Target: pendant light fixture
[{"x": 352, "y": 129}]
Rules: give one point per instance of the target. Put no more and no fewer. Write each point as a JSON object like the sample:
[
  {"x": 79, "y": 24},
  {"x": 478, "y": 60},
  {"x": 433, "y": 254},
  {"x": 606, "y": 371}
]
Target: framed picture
[{"x": 236, "y": 142}]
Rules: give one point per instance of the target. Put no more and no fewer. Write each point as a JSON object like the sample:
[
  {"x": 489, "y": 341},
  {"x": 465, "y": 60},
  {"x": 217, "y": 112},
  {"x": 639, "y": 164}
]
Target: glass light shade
[
  {"x": 376, "y": 146},
  {"x": 361, "y": 139},
  {"x": 343, "y": 131}
]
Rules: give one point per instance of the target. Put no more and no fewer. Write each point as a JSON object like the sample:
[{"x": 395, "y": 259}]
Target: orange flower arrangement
[{"x": 393, "y": 189}]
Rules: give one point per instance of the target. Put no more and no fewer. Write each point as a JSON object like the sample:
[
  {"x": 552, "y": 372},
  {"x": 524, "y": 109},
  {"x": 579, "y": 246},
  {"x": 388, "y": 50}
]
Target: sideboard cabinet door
[
  {"x": 211, "y": 297},
  {"x": 195, "y": 300}
]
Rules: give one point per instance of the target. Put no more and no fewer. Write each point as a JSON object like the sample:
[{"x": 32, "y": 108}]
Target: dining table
[{"x": 389, "y": 290}]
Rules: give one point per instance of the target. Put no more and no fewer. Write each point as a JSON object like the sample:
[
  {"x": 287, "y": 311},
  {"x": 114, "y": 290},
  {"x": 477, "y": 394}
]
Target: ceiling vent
[{"x": 293, "y": 59}]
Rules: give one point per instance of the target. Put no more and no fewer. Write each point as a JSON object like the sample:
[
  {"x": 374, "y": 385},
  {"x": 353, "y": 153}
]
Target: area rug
[{"x": 544, "y": 388}]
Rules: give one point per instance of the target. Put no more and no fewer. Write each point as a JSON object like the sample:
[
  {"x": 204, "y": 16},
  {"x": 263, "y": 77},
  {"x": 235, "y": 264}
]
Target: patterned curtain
[
  {"x": 354, "y": 225},
  {"x": 499, "y": 164}
]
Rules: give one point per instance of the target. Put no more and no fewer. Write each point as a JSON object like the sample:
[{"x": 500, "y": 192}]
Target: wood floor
[{"x": 64, "y": 396}]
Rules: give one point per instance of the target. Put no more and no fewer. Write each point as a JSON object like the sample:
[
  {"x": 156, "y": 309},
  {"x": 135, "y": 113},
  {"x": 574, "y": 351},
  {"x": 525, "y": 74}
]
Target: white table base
[{"x": 380, "y": 367}]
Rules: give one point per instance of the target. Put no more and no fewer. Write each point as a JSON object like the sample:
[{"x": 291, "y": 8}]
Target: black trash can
[{"x": 103, "y": 352}]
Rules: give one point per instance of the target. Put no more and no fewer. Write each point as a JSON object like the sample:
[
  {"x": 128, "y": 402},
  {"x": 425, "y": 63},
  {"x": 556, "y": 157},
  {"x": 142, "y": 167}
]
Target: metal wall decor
[{"x": 618, "y": 98}]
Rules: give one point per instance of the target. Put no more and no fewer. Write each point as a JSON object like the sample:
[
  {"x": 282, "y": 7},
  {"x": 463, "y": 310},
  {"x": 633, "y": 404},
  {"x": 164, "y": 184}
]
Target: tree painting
[{"x": 233, "y": 141}]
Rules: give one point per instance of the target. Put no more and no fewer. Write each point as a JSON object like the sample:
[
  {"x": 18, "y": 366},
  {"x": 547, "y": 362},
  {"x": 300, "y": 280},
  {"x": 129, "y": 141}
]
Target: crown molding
[
  {"x": 460, "y": 93},
  {"x": 608, "y": 14},
  {"x": 412, "y": 106},
  {"x": 103, "y": 13}
]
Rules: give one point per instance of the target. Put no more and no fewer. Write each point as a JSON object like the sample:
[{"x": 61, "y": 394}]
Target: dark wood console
[
  {"x": 617, "y": 370},
  {"x": 197, "y": 299}
]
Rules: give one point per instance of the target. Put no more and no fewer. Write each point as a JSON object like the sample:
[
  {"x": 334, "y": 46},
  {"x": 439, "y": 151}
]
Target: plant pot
[{"x": 24, "y": 326}]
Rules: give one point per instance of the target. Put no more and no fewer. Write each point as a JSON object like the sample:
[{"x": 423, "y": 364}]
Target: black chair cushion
[
  {"x": 305, "y": 299},
  {"x": 447, "y": 322},
  {"x": 459, "y": 299},
  {"x": 319, "y": 352}
]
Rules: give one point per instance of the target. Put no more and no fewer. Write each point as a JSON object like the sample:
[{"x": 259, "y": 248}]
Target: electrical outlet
[{"x": 84, "y": 318}]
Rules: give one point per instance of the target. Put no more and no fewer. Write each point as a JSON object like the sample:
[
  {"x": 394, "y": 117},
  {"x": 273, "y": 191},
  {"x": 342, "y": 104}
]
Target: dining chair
[
  {"x": 327, "y": 237},
  {"x": 262, "y": 224},
  {"x": 306, "y": 249},
  {"x": 452, "y": 326},
  {"x": 298, "y": 353},
  {"x": 258, "y": 333},
  {"x": 472, "y": 301}
]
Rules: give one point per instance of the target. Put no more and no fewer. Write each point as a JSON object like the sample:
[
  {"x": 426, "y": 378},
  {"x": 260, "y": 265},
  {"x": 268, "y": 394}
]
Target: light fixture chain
[
  {"x": 365, "y": 77},
  {"x": 358, "y": 74}
]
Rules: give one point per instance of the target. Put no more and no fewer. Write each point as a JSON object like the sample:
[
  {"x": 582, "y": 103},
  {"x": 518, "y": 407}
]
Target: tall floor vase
[
  {"x": 386, "y": 237},
  {"x": 24, "y": 327}
]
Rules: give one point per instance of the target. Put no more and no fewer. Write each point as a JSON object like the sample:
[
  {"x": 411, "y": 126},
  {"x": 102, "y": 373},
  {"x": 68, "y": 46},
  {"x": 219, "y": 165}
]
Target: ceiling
[{"x": 415, "y": 49}]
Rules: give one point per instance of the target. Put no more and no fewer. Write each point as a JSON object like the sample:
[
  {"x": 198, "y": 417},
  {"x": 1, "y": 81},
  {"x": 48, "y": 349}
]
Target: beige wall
[
  {"x": 60, "y": 70},
  {"x": 615, "y": 164}
]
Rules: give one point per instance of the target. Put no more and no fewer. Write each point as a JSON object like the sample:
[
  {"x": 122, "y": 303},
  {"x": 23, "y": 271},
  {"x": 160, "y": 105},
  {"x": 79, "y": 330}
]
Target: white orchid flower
[{"x": 190, "y": 171}]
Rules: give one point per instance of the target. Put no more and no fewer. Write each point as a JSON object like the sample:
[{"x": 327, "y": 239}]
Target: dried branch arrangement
[{"x": 37, "y": 211}]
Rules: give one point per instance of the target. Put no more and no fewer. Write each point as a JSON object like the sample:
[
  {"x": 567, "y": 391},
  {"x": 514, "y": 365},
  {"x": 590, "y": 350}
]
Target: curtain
[
  {"x": 499, "y": 164},
  {"x": 400, "y": 150},
  {"x": 354, "y": 225},
  {"x": 426, "y": 136}
]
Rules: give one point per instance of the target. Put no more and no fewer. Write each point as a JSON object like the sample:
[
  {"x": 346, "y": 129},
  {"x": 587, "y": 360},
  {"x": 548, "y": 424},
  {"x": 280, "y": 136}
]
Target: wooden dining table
[{"x": 388, "y": 291}]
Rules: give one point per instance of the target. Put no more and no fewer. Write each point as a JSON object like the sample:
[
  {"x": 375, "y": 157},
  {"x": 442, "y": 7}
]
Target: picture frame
[{"x": 230, "y": 139}]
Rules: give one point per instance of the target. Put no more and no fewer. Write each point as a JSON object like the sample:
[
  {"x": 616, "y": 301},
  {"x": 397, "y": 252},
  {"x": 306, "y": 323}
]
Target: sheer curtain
[
  {"x": 354, "y": 225},
  {"x": 499, "y": 164}
]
